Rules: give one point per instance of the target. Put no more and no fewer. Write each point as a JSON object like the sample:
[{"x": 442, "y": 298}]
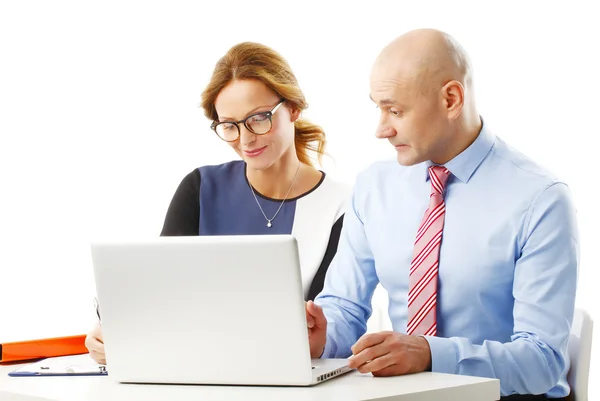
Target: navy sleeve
[
  {"x": 183, "y": 215},
  {"x": 318, "y": 281}
]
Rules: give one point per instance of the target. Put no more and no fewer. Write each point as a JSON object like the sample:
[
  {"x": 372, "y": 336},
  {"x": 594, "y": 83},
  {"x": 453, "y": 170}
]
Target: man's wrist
[
  {"x": 444, "y": 355},
  {"x": 426, "y": 354}
]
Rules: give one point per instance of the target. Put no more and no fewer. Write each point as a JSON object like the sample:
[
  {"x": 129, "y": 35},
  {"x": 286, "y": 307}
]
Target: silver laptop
[{"x": 206, "y": 310}]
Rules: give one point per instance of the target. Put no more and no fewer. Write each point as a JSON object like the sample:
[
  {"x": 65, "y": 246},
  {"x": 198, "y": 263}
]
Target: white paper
[{"x": 73, "y": 364}]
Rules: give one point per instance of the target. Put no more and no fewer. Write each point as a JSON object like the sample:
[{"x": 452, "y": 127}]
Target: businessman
[{"x": 476, "y": 244}]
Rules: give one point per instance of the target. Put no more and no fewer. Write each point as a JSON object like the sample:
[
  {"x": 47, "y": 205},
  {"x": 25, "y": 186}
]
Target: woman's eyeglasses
[{"x": 259, "y": 124}]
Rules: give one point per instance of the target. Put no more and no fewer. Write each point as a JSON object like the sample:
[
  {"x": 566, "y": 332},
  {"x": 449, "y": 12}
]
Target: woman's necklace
[{"x": 269, "y": 224}]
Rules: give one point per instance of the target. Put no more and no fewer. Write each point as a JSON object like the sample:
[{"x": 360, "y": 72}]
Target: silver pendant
[{"x": 269, "y": 223}]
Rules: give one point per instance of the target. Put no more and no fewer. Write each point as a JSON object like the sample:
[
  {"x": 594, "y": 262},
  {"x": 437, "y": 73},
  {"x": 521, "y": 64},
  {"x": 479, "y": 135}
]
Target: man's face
[{"x": 412, "y": 115}]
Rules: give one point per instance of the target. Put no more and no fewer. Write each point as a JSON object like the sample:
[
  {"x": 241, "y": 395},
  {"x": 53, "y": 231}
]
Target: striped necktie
[{"x": 423, "y": 274}]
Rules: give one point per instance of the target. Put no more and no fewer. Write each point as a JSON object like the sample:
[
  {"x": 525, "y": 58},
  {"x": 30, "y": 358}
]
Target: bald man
[{"x": 476, "y": 245}]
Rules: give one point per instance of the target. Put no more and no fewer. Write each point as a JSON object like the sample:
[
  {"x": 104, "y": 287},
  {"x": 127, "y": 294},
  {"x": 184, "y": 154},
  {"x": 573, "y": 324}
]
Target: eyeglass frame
[{"x": 269, "y": 115}]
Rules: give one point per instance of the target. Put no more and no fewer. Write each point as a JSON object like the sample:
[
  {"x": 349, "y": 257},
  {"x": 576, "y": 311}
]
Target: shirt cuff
[
  {"x": 330, "y": 348},
  {"x": 444, "y": 358}
]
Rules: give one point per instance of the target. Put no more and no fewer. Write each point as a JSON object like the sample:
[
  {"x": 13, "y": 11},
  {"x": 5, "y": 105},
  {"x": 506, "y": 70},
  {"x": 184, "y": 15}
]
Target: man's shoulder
[
  {"x": 380, "y": 169},
  {"x": 510, "y": 162}
]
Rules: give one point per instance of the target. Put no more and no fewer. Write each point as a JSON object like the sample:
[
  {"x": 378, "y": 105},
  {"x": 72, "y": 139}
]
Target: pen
[{"x": 97, "y": 306}]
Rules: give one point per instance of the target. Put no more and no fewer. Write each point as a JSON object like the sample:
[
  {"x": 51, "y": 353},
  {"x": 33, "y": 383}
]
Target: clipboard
[
  {"x": 42, "y": 348},
  {"x": 76, "y": 365}
]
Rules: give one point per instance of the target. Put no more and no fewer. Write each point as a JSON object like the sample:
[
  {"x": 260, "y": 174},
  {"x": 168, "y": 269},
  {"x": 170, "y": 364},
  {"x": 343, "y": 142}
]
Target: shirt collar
[{"x": 464, "y": 165}]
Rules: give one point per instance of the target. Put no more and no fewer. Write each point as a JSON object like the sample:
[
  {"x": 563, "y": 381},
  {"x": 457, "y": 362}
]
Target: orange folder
[{"x": 42, "y": 348}]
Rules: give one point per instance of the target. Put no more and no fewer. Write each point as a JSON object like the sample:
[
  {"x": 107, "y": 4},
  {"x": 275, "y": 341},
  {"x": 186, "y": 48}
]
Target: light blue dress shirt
[{"x": 508, "y": 265}]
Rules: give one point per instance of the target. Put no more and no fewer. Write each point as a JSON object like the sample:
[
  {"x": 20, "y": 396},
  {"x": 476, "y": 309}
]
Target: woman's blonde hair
[{"x": 255, "y": 61}]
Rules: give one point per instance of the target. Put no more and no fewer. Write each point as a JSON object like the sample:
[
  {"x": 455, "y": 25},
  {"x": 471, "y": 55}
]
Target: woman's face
[{"x": 244, "y": 98}]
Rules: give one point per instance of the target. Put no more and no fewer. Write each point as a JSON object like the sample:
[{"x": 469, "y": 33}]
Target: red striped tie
[{"x": 422, "y": 293}]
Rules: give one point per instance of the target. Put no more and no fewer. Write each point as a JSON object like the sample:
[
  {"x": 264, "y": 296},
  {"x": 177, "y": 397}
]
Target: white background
[{"x": 100, "y": 117}]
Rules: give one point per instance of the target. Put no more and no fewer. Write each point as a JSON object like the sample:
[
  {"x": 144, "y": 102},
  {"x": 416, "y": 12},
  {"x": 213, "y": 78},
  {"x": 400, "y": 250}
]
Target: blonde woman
[{"x": 254, "y": 104}]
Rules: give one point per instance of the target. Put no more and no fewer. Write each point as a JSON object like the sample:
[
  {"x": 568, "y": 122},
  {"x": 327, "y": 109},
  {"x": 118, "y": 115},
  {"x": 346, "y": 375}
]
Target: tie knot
[{"x": 438, "y": 176}]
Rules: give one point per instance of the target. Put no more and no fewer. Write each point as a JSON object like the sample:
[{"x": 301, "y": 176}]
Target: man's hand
[
  {"x": 317, "y": 329},
  {"x": 390, "y": 354},
  {"x": 95, "y": 344}
]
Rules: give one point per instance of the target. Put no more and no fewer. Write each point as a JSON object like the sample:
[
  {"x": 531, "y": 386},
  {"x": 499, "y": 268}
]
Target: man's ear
[{"x": 454, "y": 95}]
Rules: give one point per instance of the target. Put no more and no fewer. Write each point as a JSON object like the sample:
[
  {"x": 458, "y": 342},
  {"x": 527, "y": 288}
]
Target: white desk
[{"x": 351, "y": 386}]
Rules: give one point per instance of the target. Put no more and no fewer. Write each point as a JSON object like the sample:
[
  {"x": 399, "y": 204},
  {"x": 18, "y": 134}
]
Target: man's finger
[
  {"x": 368, "y": 340},
  {"x": 310, "y": 320},
  {"x": 368, "y": 354},
  {"x": 378, "y": 365},
  {"x": 317, "y": 313},
  {"x": 391, "y": 370}
]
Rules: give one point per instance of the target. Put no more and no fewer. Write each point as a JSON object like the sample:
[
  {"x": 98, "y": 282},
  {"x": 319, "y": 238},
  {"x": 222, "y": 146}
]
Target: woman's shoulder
[
  {"x": 211, "y": 172},
  {"x": 330, "y": 191},
  {"x": 232, "y": 167},
  {"x": 333, "y": 186},
  {"x": 337, "y": 183}
]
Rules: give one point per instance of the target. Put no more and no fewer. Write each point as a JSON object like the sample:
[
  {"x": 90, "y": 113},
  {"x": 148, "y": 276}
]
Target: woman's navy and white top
[{"x": 224, "y": 205}]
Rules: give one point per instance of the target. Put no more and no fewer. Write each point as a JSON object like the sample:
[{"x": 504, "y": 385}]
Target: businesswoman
[{"x": 254, "y": 104}]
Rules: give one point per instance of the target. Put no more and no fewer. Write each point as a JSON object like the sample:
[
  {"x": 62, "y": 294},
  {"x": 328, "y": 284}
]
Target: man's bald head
[
  {"x": 421, "y": 82},
  {"x": 426, "y": 57}
]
